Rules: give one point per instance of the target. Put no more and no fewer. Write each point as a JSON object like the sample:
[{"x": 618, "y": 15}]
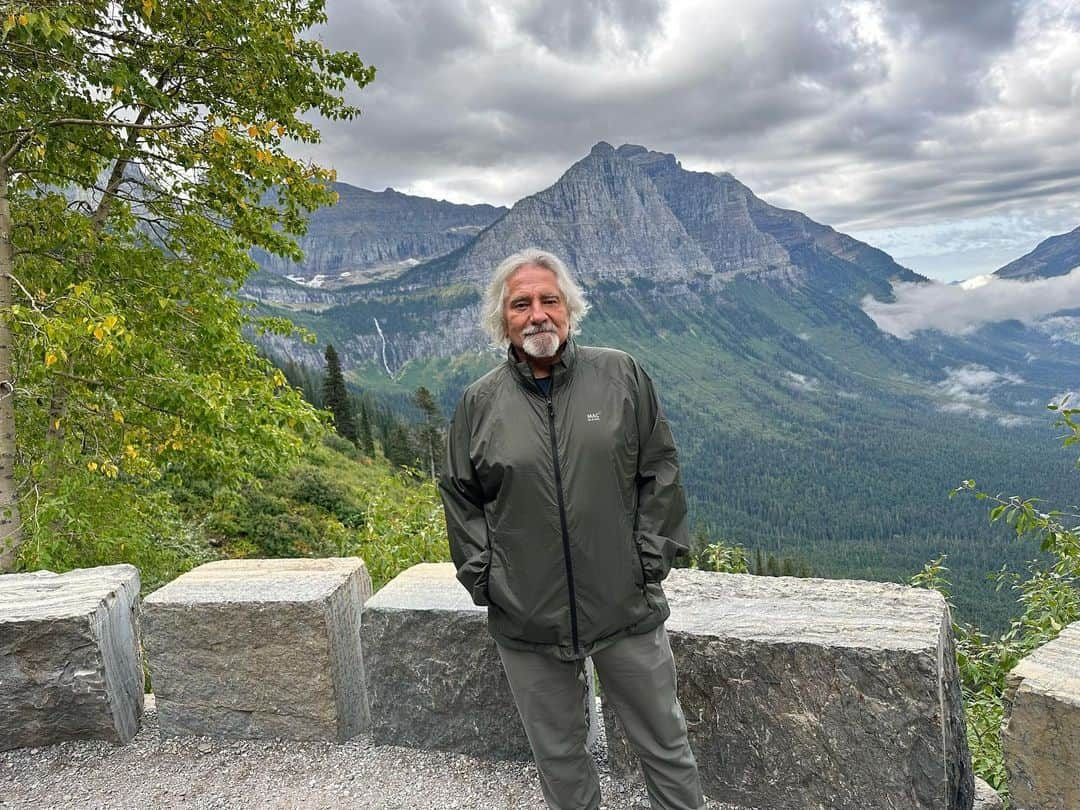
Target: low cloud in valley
[{"x": 957, "y": 309}]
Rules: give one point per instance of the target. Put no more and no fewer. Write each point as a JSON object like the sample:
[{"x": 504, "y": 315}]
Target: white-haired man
[{"x": 564, "y": 510}]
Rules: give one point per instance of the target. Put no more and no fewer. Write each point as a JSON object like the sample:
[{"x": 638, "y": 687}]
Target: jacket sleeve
[
  {"x": 661, "y": 531},
  {"x": 463, "y": 504}
]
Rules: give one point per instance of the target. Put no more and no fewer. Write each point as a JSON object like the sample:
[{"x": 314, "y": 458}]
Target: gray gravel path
[{"x": 204, "y": 773}]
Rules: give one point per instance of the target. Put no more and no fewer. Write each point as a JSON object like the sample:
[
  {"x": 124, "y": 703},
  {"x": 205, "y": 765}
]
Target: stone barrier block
[
  {"x": 434, "y": 677},
  {"x": 70, "y": 664},
  {"x": 811, "y": 693},
  {"x": 260, "y": 648},
  {"x": 1041, "y": 732},
  {"x": 986, "y": 798}
]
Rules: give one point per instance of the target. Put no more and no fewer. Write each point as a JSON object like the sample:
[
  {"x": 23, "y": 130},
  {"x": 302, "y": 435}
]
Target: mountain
[
  {"x": 376, "y": 234},
  {"x": 1056, "y": 256},
  {"x": 803, "y": 428}
]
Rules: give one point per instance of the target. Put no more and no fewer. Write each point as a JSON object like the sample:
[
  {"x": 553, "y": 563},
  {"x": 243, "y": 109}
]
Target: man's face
[{"x": 536, "y": 318}]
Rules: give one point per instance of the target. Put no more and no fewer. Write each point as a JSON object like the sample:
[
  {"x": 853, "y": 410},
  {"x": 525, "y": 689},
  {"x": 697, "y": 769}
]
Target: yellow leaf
[
  {"x": 99, "y": 333},
  {"x": 118, "y": 417},
  {"x": 56, "y": 424},
  {"x": 130, "y": 451},
  {"x": 91, "y": 466},
  {"x": 220, "y": 135},
  {"x": 148, "y": 7},
  {"x": 280, "y": 130},
  {"x": 50, "y": 359},
  {"x": 110, "y": 321},
  {"x": 177, "y": 444},
  {"x": 279, "y": 378},
  {"x": 253, "y": 131},
  {"x": 24, "y": 20},
  {"x": 117, "y": 90}
]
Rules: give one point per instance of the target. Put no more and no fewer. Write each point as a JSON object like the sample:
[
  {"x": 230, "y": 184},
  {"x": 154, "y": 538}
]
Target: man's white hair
[{"x": 493, "y": 318}]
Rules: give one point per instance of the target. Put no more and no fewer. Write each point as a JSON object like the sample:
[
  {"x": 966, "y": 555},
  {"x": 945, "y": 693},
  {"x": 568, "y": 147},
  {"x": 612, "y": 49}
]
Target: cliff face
[{"x": 604, "y": 218}]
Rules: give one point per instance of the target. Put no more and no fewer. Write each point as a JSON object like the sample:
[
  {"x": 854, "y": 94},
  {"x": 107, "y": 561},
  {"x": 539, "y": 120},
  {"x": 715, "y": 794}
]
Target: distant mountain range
[
  {"x": 803, "y": 427},
  {"x": 1056, "y": 256},
  {"x": 371, "y": 235}
]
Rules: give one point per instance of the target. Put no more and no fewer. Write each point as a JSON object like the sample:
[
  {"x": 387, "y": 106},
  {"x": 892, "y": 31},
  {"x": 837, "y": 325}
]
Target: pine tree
[
  {"x": 336, "y": 397},
  {"x": 431, "y": 432},
  {"x": 397, "y": 447},
  {"x": 365, "y": 436}
]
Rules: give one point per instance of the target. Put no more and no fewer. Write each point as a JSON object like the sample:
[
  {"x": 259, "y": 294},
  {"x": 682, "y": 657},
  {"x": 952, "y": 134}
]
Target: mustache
[{"x": 536, "y": 330}]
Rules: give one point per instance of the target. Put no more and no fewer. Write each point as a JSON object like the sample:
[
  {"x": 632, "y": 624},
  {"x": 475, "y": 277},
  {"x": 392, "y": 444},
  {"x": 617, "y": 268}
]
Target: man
[{"x": 565, "y": 510}]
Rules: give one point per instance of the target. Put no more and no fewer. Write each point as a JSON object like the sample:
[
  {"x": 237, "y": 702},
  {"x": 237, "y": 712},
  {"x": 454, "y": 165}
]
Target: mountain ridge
[{"x": 1056, "y": 255}]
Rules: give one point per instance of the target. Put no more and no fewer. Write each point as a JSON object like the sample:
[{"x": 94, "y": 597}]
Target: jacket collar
[{"x": 561, "y": 372}]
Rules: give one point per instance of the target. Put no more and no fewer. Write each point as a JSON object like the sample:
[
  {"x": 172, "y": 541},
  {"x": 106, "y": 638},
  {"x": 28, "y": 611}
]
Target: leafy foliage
[
  {"x": 337, "y": 502},
  {"x": 142, "y": 154},
  {"x": 1048, "y": 594}
]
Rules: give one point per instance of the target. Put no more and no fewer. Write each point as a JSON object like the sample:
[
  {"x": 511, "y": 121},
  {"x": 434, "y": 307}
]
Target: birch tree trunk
[{"x": 10, "y": 523}]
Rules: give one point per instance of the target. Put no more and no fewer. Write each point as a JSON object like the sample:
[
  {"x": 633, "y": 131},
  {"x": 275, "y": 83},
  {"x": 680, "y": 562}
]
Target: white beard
[{"x": 541, "y": 344}]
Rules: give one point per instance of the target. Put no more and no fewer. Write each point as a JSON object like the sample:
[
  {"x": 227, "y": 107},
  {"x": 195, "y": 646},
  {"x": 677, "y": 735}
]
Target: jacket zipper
[{"x": 562, "y": 521}]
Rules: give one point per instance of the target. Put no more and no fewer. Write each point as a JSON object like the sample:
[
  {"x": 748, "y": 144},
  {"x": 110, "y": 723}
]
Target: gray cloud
[
  {"x": 959, "y": 309},
  {"x": 866, "y": 115},
  {"x": 575, "y": 25}
]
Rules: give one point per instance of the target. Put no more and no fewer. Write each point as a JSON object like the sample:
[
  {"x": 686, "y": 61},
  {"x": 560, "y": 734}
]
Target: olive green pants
[{"x": 637, "y": 676}]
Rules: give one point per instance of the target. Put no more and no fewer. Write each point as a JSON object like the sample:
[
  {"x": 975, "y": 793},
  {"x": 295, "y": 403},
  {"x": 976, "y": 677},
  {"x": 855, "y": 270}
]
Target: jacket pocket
[{"x": 655, "y": 553}]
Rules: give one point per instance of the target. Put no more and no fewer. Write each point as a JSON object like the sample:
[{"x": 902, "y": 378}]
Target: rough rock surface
[
  {"x": 260, "y": 648},
  {"x": 70, "y": 664},
  {"x": 986, "y": 798},
  {"x": 808, "y": 693},
  {"x": 1041, "y": 732},
  {"x": 434, "y": 678}
]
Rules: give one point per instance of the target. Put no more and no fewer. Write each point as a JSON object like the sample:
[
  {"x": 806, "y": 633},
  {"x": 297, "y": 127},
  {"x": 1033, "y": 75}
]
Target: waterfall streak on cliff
[{"x": 382, "y": 337}]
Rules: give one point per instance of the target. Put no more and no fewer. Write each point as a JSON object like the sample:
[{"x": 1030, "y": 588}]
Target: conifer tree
[
  {"x": 365, "y": 436},
  {"x": 397, "y": 447},
  {"x": 336, "y": 397},
  {"x": 431, "y": 429}
]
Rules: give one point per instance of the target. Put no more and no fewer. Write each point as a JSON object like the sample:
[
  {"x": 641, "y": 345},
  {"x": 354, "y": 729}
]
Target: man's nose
[{"x": 537, "y": 314}]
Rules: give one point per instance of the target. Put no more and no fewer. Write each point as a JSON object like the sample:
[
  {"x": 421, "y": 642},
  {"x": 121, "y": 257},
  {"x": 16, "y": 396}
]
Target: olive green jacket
[{"x": 564, "y": 511}]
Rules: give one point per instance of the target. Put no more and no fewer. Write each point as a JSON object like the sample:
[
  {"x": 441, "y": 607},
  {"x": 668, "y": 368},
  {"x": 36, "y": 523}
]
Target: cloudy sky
[{"x": 946, "y": 132}]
